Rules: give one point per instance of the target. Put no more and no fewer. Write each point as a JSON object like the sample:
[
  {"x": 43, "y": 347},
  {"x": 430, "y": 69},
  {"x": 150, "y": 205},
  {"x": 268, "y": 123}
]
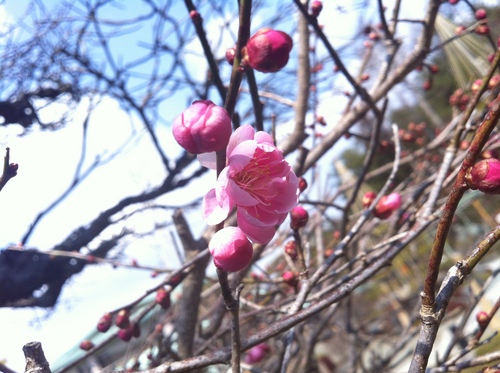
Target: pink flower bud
[
  {"x": 104, "y": 322},
  {"x": 482, "y": 319},
  {"x": 485, "y": 176},
  {"x": 480, "y": 14},
  {"x": 302, "y": 184},
  {"x": 299, "y": 216},
  {"x": 195, "y": 16},
  {"x": 268, "y": 50},
  {"x": 163, "y": 298},
  {"x": 202, "y": 128},
  {"x": 316, "y": 8},
  {"x": 231, "y": 249},
  {"x": 290, "y": 279},
  {"x": 257, "y": 353},
  {"x": 86, "y": 345},
  {"x": 122, "y": 320},
  {"x": 291, "y": 249},
  {"x": 387, "y": 205},
  {"x": 125, "y": 334},
  {"x": 453, "y": 2},
  {"x": 368, "y": 198},
  {"x": 230, "y": 53},
  {"x": 482, "y": 30}
]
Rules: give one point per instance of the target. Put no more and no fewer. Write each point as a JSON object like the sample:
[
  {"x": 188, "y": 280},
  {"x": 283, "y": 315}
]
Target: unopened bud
[
  {"x": 122, "y": 320},
  {"x": 230, "y": 53},
  {"x": 163, "y": 298},
  {"x": 299, "y": 217},
  {"x": 480, "y": 14},
  {"x": 302, "y": 184},
  {"x": 482, "y": 319},
  {"x": 387, "y": 205},
  {"x": 125, "y": 334},
  {"x": 316, "y": 8},
  {"x": 368, "y": 198},
  {"x": 86, "y": 345},
  {"x": 485, "y": 176},
  {"x": 268, "y": 50},
  {"x": 291, "y": 249},
  {"x": 104, "y": 322}
]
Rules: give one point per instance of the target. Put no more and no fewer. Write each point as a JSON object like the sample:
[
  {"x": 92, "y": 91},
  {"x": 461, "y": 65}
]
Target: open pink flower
[{"x": 258, "y": 181}]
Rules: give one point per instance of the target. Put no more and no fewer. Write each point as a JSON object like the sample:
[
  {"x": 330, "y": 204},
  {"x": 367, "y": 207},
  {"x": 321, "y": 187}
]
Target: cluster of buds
[
  {"x": 127, "y": 330},
  {"x": 482, "y": 28},
  {"x": 459, "y": 99},
  {"x": 484, "y": 176},
  {"x": 414, "y": 134}
]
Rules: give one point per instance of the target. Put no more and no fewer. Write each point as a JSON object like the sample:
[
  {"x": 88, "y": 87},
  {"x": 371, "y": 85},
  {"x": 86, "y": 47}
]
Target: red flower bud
[
  {"x": 195, "y": 16},
  {"x": 485, "y": 176},
  {"x": 480, "y": 14},
  {"x": 163, "y": 298},
  {"x": 427, "y": 85},
  {"x": 257, "y": 353},
  {"x": 482, "y": 30},
  {"x": 387, "y": 205},
  {"x": 299, "y": 216},
  {"x": 302, "y": 184},
  {"x": 230, "y": 53},
  {"x": 289, "y": 278},
  {"x": 291, "y": 249},
  {"x": 268, "y": 50},
  {"x": 202, "y": 128},
  {"x": 122, "y": 320},
  {"x": 86, "y": 345},
  {"x": 482, "y": 319},
  {"x": 104, "y": 322},
  {"x": 316, "y": 8},
  {"x": 231, "y": 249},
  {"x": 368, "y": 198},
  {"x": 125, "y": 334}
]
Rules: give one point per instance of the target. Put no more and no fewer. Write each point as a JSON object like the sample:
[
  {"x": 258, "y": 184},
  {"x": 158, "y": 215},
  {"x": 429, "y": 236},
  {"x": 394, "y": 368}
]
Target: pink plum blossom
[
  {"x": 257, "y": 180},
  {"x": 203, "y": 127},
  {"x": 230, "y": 249}
]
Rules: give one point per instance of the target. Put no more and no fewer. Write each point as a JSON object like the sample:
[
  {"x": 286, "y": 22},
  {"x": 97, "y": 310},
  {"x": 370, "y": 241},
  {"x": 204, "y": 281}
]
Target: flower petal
[
  {"x": 208, "y": 160},
  {"x": 213, "y": 211},
  {"x": 245, "y": 132},
  {"x": 255, "y": 233}
]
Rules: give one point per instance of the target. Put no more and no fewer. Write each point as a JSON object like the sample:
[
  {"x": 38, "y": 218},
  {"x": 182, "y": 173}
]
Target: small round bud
[
  {"x": 316, "y": 8},
  {"x": 289, "y": 278},
  {"x": 427, "y": 85},
  {"x": 368, "y": 198},
  {"x": 230, "y": 53},
  {"x": 86, "y": 345},
  {"x": 302, "y": 184},
  {"x": 104, "y": 322},
  {"x": 257, "y": 353},
  {"x": 480, "y": 14},
  {"x": 299, "y": 217},
  {"x": 482, "y": 319},
  {"x": 122, "y": 320},
  {"x": 195, "y": 16},
  {"x": 125, "y": 334},
  {"x": 163, "y": 298},
  {"x": 482, "y": 30},
  {"x": 291, "y": 249}
]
